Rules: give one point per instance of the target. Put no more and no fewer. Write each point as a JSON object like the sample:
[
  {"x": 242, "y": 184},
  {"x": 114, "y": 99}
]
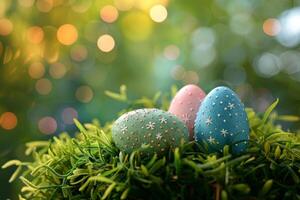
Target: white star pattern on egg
[
  {"x": 158, "y": 136},
  {"x": 231, "y": 106},
  {"x": 224, "y": 132},
  {"x": 208, "y": 121},
  {"x": 186, "y": 117},
  {"x": 163, "y": 120},
  {"x": 150, "y": 125},
  {"x": 124, "y": 129},
  {"x": 211, "y": 140}
]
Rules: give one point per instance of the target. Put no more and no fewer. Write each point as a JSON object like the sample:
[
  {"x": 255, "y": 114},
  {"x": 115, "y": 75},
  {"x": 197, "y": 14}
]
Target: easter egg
[
  {"x": 148, "y": 130},
  {"x": 185, "y": 105},
  {"x": 222, "y": 120}
]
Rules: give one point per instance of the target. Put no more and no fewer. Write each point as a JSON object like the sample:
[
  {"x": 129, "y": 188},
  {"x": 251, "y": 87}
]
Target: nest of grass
[{"x": 89, "y": 166}]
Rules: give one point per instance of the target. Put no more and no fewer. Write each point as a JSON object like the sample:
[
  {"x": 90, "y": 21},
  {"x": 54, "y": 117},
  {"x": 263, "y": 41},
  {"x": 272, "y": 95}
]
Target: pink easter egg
[{"x": 185, "y": 105}]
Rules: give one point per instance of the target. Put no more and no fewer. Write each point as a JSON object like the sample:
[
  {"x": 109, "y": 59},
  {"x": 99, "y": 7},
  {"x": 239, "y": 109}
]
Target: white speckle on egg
[
  {"x": 208, "y": 121},
  {"x": 231, "y": 105},
  {"x": 211, "y": 140},
  {"x": 150, "y": 125},
  {"x": 159, "y": 136},
  {"x": 224, "y": 132}
]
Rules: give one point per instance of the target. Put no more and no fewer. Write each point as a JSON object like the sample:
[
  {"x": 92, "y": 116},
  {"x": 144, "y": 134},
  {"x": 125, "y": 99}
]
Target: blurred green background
[{"x": 58, "y": 56}]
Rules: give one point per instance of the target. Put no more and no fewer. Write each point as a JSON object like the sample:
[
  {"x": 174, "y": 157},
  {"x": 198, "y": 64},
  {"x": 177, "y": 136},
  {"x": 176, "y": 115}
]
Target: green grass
[{"x": 89, "y": 166}]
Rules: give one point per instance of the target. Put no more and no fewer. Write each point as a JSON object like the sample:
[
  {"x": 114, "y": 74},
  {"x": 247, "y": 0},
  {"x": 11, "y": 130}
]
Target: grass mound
[{"x": 89, "y": 166}]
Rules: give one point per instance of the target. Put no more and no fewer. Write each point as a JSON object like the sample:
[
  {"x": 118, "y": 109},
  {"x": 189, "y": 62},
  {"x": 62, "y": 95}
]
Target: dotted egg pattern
[
  {"x": 222, "y": 120},
  {"x": 185, "y": 105},
  {"x": 149, "y": 130}
]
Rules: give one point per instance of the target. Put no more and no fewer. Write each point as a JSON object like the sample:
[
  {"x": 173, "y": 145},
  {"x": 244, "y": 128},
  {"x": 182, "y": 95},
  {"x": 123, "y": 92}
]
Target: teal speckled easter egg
[
  {"x": 222, "y": 120},
  {"x": 148, "y": 130}
]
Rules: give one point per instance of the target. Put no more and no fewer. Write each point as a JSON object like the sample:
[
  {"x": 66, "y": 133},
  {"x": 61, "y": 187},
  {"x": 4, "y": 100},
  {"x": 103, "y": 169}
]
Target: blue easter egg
[{"x": 221, "y": 120}]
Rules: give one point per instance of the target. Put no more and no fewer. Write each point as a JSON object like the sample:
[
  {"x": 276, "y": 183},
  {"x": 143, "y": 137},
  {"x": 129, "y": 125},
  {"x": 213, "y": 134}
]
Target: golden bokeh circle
[
  {"x": 35, "y": 34},
  {"x": 8, "y": 121},
  {"x": 6, "y": 27},
  {"x": 67, "y": 34}
]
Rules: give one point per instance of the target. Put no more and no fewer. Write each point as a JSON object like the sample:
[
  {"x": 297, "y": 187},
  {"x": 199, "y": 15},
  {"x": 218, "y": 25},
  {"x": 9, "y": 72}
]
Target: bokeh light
[
  {"x": 241, "y": 23},
  {"x": 43, "y": 86},
  {"x": 271, "y": 27},
  {"x": 291, "y": 62},
  {"x": 191, "y": 77},
  {"x": 267, "y": 65},
  {"x": 171, "y": 52},
  {"x": 289, "y": 34},
  {"x": 203, "y": 41},
  {"x": 8, "y": 120},
  {"x": 158, "y": 13},
  {"x": 35, "y": 34},
  {"x": 67, "y": 34},
  {"x": 84, "y": 94},
  {"x": 47, "y": 125},
  {"x": 57, "y": 70},
  {"x": 79, "y": 53},
  {"x": 124, "y": 4},
  {"x": 68, "y": 114},
  {"x": 203, "y": 57},
  {"x": 6, "y": 26},
  {"x": 106, "y": 43},
  {"x": 109, "y": 14},
  {"x": 44, "y": 5},
  {"x": 36, "y": 70},
  {"x": 26, "y": 3}
]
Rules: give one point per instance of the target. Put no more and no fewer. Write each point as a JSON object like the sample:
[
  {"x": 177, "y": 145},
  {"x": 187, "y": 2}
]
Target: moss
[{"x": 89, "y": 166}]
